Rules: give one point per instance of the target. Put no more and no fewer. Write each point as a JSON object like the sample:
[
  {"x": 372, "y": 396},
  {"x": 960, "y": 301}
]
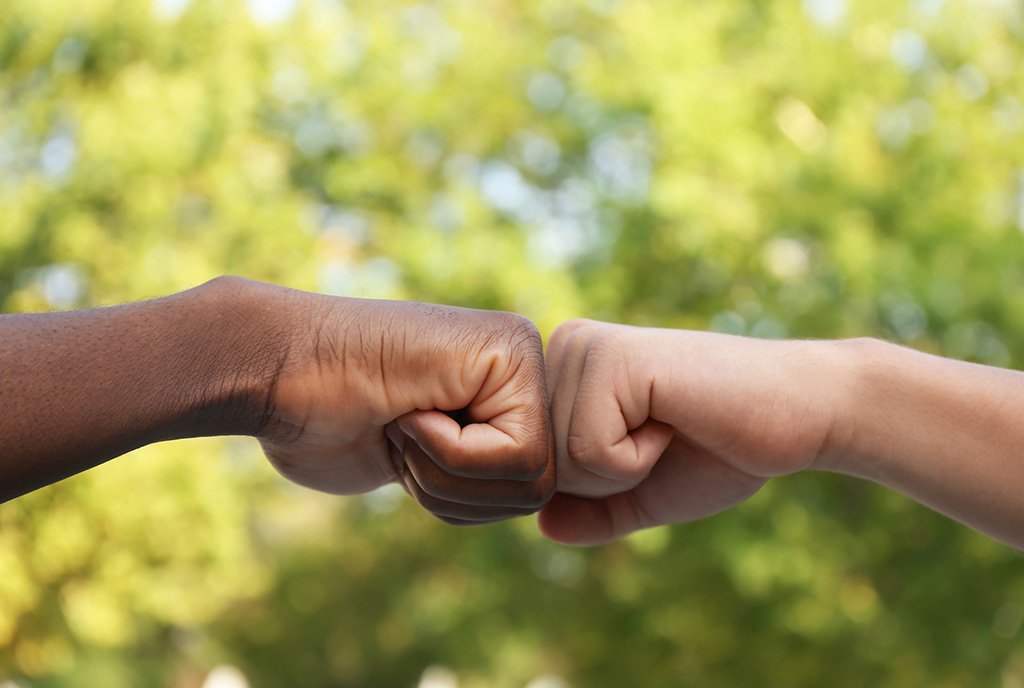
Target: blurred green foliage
[{"x": 814, "y": 169}]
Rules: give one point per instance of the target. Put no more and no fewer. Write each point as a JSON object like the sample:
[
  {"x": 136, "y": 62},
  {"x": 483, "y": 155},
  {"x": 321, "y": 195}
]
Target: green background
[{"x": 815, "y": 169}]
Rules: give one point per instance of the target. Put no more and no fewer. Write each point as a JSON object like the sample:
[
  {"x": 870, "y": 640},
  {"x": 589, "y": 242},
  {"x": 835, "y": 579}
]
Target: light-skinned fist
[{"x": 656, "y": 426}]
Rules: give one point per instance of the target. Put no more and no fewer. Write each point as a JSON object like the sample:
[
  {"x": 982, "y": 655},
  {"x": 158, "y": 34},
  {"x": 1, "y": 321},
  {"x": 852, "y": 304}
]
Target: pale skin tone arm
[
  {"x": 343, "y": 394},
  {"x": 659, "y": 426}
]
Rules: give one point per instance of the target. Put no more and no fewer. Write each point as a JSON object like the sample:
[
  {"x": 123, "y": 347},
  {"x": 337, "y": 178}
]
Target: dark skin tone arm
[{"x": 343, "y": 394}]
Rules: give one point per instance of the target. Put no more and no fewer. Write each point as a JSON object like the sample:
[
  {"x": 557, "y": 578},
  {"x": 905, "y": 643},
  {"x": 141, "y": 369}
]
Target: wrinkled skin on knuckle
[
  {"x": 514, "y": 337},
  {"x": 514, "y": 347},
  {"x": 531, "y": 389},
  {"x": 495, "y": 359},
  {"x": 535, "y": 455},
  {"x": 519, "y": 325},
  {"x": 518, "y": 374},
  {"x": 467, "y": 352},
  {"x": 602, "y": 461},
  {"x": 582, "y": 451}
]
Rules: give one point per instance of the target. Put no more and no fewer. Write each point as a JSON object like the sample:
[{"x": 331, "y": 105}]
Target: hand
[
  {"x": 659, "y": 426},
  {"x": 449, "y": 402}
]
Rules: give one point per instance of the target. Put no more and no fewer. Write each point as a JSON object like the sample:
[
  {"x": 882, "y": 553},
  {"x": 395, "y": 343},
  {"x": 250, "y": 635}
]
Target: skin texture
[
  {"x": 343, "y": 394},
  {"x": 662, "y": 426}
]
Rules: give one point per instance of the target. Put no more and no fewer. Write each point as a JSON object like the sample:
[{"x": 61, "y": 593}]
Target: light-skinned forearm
[
  {"x": 947, "y": 433},
  {"x": 667, "y": 426},
  {"x": 82, "y": 387}
]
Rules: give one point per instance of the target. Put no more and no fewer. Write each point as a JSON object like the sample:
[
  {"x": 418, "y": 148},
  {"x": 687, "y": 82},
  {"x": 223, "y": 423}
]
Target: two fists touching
[
  {"x": 645, "y": 426},
  {"x": 658, "y": 426}
]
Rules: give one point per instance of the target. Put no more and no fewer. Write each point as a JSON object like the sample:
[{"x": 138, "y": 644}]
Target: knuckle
[
  {"x": 564, "y": 333},
  {"x": 603, "y": 460},
  {"x": 531, "y": 383},
  {"x": 582, "y": 450},
  {"x": 605, "y": 344},
  {"x": 519, "y": 323},
  {"x": 520, "y": 331},
  {"x": 511, "y": 340},
  {"x": 533, "y": 456},
  {"x": 630, "y": 472},
  {"x": 535, "y": 468},
  {"x": 535, "y": 464},
  {"x": 539, "y": 494}
]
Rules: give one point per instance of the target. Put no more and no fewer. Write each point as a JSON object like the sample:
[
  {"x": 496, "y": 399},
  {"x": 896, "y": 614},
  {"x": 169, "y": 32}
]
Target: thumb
[
  {"x": 573, "y": 520},
  {"x": 477, "y": 450},
  {"x": 686, "y": 484}
]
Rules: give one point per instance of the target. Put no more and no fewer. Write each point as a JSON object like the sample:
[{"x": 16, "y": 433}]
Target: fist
[
  {"x": 658, "y": 426},
  {"x": 448, "y": 402}
]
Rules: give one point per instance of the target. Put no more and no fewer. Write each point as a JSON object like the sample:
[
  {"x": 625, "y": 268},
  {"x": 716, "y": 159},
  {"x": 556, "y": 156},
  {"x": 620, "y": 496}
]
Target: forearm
[
  {"x": 944, "y": 432},
  {"x": 82, "y": 387}
]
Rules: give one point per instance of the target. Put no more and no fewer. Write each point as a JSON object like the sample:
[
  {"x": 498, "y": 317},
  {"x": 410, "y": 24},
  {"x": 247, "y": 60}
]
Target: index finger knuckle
[{"x": 604, "y": 459}]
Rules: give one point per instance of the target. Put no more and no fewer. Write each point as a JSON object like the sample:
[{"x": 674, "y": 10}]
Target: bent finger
[
  {"x": 434, "y": 481},
  {"x": 463, "y": 512},
  {"x": 560, "y": 338},
  {"x": 609, "y": 432},
  {"x": 477, "y": 450}
]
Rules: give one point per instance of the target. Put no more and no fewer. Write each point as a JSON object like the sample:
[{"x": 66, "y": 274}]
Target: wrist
[
  {"x": 854, "y": 364},
  {"x": 243, "y": 333}
]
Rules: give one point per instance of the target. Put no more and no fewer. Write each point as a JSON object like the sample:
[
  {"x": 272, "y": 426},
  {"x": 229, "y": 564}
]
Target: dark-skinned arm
[{"x": 343, "y": 394}]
